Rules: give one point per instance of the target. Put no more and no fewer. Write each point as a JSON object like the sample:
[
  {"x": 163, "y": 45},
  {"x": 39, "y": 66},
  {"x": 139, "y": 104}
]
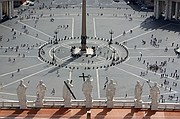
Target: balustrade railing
[{"x": 95, "y": 104}]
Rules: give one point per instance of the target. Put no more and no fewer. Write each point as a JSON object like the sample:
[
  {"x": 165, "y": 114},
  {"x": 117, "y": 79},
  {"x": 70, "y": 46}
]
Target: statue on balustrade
[
  {"x": 21, "y": 94},
  {"x": 67, "y": 94},
  {"x": 110, "y": 93},
  {"x": 110, "y": 90},
  {"x": 87, "y": 90},
  {"x": 138, "y": 92},
  {"x": 154, "y": 92},
  {"x": 41, "y": 89}
]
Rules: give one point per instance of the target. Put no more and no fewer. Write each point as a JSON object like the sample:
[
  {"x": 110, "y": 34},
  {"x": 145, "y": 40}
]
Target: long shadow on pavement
[
  {"x": 130, "y": 115},
  {"x": 14, "y": 114},
  {"x": 60, "y": 113},
  {"x": 149, "y": 113},
  {"x": 79, "y": 114},
  {"x": 63, "y": 64},
  {"x": 32, "y": 113},
  {"x": 160, "y": 24},
  {"x": 102, "y": 114}
]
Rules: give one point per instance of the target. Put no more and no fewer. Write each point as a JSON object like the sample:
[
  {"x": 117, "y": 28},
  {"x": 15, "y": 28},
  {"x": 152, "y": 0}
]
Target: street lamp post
[
  {"x": 56, "y": 36},
  {"x": 111, "y": 33},
  {"x": 114, "y": 54}
]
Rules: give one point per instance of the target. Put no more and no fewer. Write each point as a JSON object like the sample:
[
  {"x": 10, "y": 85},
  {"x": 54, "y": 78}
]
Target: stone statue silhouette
[
  {"x": 138, "y": 92},
  {"x": 110, "y": 90},
  {"x": 41, "y": 89},
  {"x": 21, "y": 94},
  {"x": 154, "y": 91},
  {"x": 87, "y": 90}
]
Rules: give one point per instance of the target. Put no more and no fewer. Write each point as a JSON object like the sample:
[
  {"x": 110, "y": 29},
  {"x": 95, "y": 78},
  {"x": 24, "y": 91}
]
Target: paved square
[{"x": 146, "y": 46}]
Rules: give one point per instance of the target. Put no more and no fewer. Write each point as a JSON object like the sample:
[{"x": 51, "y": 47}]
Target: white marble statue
[
  {"x": 138, "y": 92},
  {"x": 110, "y": 93},
  {"x": 41, "y": 89},
  {"x": 87, "y": 89},
  {"x": 154, "y": 91},
  {"x": 110, "y": 90},
  {"x": 67, "y": 94},
  {"x": 21, "y": 94}
]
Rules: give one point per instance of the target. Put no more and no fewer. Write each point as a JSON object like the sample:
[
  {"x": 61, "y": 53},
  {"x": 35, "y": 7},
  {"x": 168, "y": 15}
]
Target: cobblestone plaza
[{"x": 140, "y": 40}]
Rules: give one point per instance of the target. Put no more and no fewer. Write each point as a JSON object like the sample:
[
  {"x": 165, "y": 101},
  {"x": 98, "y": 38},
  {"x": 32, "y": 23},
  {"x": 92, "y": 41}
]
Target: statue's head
[
  {"x": 155, "y": 83},
  {"x": 111, "y": 81},
  {"x": 41, "y": 82},
  {"x": 138, "y": 82},
  {"x": 21, "y": 81},
  {"x": 89, "y": 76},
  {"x": 68, "y": 81},
  {"x": 89, "y": 79}
]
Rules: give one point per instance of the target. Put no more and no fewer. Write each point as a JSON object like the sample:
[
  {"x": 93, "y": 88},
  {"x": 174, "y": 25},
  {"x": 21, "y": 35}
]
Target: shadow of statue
[
  {"x": 32, "y": 113},
  {"x": 59, "y": 113},
  {"x": 102, "y": 114},
  {"x": 79, "y": 114},
  {"x": 149, "y": 113},
  {"x": 130, "y": 115},
  {"x": 16, "y": 113}
]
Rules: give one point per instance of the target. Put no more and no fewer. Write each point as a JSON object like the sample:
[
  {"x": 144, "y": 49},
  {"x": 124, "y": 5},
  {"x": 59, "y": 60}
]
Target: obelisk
[{"x": 83, "y": 34}]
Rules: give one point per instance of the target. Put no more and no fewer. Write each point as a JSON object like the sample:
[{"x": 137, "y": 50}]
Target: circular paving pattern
[{"x": 58, "y": 53}]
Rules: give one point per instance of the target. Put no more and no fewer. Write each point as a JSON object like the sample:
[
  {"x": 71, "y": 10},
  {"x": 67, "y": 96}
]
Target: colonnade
[
  {"x": 169, "y": 8},
  {"x": 6, "y": 8}
]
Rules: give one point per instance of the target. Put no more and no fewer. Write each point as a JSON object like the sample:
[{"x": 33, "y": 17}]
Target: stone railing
[{"x": 95, "y": 104}]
